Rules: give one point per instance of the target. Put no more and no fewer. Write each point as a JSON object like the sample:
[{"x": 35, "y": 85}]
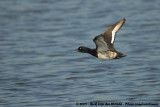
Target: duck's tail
[{"x": 120, "y": 55}]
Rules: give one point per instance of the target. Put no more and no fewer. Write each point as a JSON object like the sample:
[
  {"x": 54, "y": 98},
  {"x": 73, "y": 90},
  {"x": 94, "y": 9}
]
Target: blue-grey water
[{"x": 39, "y": 68}]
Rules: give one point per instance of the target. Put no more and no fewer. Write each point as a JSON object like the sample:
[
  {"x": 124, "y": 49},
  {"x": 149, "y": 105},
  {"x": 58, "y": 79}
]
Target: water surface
[{"x": 38, "y": 66}]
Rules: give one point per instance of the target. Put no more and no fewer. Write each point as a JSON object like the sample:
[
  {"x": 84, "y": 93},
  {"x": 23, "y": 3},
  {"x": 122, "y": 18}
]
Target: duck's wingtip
[{"x": 124, "y": 19}]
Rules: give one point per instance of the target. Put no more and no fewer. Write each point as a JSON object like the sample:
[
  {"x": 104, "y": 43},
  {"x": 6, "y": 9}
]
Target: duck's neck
[{"x": 92, "y": 52}]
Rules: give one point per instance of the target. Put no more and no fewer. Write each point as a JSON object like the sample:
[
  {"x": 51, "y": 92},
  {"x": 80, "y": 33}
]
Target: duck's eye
[{"x": 80, "y": 48}]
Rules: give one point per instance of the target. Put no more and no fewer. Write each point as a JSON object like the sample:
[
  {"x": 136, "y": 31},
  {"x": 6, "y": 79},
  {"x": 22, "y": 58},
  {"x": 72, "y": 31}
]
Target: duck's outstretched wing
[
  {"x": 105, "y": 41},
  {"x": 110, "y": 34},
  {"x": 101, "y": 45}
]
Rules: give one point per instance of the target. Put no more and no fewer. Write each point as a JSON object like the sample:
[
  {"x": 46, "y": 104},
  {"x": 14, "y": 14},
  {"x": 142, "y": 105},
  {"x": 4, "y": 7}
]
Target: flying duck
[{"x": 105, "y": 44}]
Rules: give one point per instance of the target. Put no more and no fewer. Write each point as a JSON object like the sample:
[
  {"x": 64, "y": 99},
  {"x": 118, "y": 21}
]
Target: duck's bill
[{"x": 76, "y": 50}]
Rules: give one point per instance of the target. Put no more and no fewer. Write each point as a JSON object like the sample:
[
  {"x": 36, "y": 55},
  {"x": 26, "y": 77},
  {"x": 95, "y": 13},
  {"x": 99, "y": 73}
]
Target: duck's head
[{"x": 83, "y": 49}]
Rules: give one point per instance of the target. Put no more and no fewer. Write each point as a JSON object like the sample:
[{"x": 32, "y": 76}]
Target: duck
[{"x": 105, "y": 44}]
